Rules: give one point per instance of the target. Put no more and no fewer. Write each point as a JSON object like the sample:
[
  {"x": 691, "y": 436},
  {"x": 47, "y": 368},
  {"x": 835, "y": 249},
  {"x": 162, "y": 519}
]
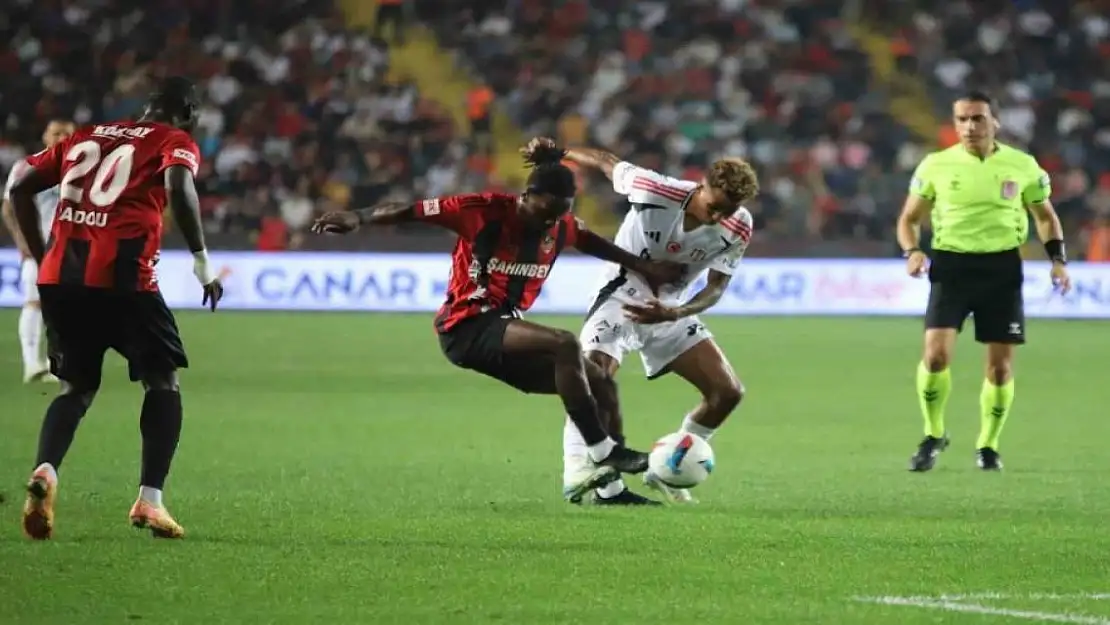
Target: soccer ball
[{"x": 681, "y": 460}]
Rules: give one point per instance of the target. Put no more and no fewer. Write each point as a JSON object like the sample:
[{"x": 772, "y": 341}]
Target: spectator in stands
[
  {"x": 300, "y": 113},
  {"x": 391, "y": 14}
]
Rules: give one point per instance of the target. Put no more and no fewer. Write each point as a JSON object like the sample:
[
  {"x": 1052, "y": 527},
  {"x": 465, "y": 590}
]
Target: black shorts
[
  {"x": 986, "y": 286},
  {"x": 83, "y": 323},
  {"x": 478, "y": 344}
]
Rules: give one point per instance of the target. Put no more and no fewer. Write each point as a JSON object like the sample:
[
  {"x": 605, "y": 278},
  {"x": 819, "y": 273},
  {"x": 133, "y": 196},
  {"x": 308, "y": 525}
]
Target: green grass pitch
[{"x": 335, "y": 468}]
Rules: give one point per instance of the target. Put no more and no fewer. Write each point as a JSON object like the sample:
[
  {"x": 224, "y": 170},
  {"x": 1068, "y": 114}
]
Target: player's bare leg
[
  {"x": 58, "y": 429},
  {"x": 705, "y": 367},
  {"x": 601, "y": 369},
  {"x": 160, "y": 424},
  {"x": 934, "y": 384},
  {"x": 557, "y": 356},
  {"x": 35, "y": 367},
  {"x": 995, "y": 401}
]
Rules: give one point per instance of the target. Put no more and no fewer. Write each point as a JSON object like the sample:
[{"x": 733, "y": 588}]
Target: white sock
[
  {"x": 600, "y": 451},
  {"x": 610, "y": 490},
  {"x": 152, "y": 496},
  {"x": 49, "y": 470},
  {"x": 30, "y": 333},
  {"x": 693, "y": 427},
  {"x": 576, "y": 456}
]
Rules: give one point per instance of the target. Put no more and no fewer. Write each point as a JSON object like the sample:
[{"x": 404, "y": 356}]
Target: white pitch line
[
  {"x": 987, "y": 596},
  {"x": 1034, "y": 596},
  {"x": 974, "y": 608}
]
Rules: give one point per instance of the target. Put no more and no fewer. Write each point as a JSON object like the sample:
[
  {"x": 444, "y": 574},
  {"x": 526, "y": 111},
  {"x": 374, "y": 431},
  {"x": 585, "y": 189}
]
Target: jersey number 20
[{"x": 113, "y": 172}]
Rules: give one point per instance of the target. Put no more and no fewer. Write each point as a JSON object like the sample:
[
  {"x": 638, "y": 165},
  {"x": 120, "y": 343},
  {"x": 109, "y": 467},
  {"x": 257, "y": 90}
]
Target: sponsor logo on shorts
[
  {"x": 95, "y": 219},
  {"x": 1009, "y": 190},
  {"x": 547, "y": 244}
]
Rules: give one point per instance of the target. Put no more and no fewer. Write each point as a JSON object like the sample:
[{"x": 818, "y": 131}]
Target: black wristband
[
  {"x": 906, "y": 253},
  {"x": 1056, "y": 251}
]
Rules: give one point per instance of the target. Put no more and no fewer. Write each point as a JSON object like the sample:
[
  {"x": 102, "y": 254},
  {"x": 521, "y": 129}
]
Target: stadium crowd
[
  {"x": 1048, "y": 65},
  {"x": 301, "y": 114},
  {"x": 779, "y": 83}
]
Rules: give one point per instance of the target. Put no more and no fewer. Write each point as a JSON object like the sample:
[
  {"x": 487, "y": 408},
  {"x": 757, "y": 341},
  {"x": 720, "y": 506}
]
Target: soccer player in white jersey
[
  {"x": 700, "y": 224},
  {"x": 35, "y": 366}
]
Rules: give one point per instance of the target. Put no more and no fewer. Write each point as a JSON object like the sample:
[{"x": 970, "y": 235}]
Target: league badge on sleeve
[{"x": 1009, "y": 190}]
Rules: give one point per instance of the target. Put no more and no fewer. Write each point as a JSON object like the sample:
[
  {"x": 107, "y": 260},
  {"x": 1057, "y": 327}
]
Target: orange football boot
[
  {"x": 157, "y": 519},
  {"x": 38, "y": 510}
]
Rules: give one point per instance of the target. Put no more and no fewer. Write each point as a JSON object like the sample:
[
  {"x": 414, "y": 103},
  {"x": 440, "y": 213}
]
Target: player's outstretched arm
[
  {"x": 595, "y": 159},
  {"x": 181, "y": 193},
  {"x": 387, "y": 214},
  {"x": 585, "y": 157},
  {"x": 384, "y": 214},
  {"x": 656, "y": 273},
  {"x": 22, "y": 195}
]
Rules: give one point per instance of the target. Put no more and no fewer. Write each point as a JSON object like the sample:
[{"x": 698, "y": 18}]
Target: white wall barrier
[{"x": 416, "y": 282}]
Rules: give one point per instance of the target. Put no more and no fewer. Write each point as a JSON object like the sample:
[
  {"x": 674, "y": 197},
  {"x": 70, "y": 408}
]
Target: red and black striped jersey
[
  {"x": 107, "y": 228},
  {"x": 498, "y": 262}
]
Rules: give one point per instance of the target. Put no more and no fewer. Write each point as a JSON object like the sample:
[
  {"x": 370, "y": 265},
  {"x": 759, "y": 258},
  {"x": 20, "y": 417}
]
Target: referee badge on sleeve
[{"x": 1009, "y": 190}]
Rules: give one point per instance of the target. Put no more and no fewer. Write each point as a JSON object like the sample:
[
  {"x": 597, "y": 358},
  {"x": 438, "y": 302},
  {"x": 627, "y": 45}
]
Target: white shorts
[
  {"x": 28, "y": 281},
  {"x": 608, "y": 331}
]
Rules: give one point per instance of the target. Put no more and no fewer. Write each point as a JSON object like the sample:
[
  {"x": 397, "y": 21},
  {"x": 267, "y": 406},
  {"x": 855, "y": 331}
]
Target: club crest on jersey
[
  {"x": 674, "y": 247},
  {"x": 547, "y": 244},
  {"x": 1009, "y": 190}
]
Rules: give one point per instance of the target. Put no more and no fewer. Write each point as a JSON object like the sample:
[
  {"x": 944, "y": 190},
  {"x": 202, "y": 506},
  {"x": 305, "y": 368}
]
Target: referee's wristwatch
[{"x": 911, "y": 252}]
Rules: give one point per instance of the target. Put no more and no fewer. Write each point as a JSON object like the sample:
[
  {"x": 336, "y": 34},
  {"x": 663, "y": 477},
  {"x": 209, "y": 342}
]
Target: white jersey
[
  {"x": 653, "y": 229},
  {"x": 46, "y": 201}
]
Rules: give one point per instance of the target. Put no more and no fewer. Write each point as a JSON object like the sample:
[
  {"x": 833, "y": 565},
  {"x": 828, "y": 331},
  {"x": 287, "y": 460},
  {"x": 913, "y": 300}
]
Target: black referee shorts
[
  {"x": 83, "y": 323},
  {"x": 987, "y": 287},
  {"x": 478, "y": 343}
]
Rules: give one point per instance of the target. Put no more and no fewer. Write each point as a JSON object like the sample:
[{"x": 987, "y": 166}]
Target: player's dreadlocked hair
[
  {"x": 735, "y": 178},
  {"x": 175, "y": 100},
  {"x": 549, "y": 175}
]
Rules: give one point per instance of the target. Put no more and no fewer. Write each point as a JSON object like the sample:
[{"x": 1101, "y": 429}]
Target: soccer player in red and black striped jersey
[
  {"x": 506, "y": 247},
  {"x": 98, "y": 286}
]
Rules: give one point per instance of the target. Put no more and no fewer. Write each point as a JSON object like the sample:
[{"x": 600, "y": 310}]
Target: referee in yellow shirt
[{"x": 977, "y": 194}]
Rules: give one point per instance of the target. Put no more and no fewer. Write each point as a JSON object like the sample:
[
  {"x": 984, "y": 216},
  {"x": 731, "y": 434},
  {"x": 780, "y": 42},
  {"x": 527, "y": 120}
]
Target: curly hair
[
  {"x": 545, "y": 155},
  {"x": 549, "y": 175},
  {"x": 735, "y": 178}
]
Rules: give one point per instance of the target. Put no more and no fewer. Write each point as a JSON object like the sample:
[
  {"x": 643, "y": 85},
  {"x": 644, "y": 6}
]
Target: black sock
[
  {"x": 585, "y": 418},
  {"x": 160, "y": 425},
  {"x": 59, "y": 426}
]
